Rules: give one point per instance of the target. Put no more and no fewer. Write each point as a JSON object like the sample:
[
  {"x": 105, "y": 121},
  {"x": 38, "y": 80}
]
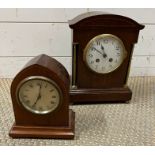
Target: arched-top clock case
[
  {"x": 85, "y": 27},
  {"x": 45, "y": 66},
  {"x": 100, "y": 20}
]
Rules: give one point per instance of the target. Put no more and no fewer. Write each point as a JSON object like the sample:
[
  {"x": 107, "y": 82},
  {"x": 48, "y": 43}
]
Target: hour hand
[
  {"x": 39, "y": 95},
  {"x": 102, "y": 47},
  {"x": 38, "y": 98},
  {"x": 104, "y": 54}
]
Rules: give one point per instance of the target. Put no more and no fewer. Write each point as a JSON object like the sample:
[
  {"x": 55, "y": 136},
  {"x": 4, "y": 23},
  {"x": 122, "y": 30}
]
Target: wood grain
[
  {"x": 56, "y": 122},
  {"x": 90, "y": 86}
]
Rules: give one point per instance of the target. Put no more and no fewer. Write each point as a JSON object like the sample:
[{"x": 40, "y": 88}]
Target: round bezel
[
  {"x": 38, "y": 78},
  {"x": 102, "y": 36}
]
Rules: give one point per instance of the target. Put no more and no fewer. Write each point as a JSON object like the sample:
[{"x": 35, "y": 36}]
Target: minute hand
[
  {"x": 39, "y": 96},
  {"x": 98, "y": 51}
]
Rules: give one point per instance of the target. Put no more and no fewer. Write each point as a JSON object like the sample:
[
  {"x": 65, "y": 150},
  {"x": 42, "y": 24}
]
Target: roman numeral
[
  {"x": 48, "y": 107},
  {"x": 90, "y": 55},
  {"x": 30, "y": 85},
  {"x": 27, "y": 102},
  {"x": 40, "y": 108},
  {"x": 38, "y": 84},
  {"x": 91, "y": 62},
  {"x": 118, "y": 54},
  {"x": 103, "y": 68},
  {"x": 98, "y": 42},
  {"x": 53, "y": 96},
  {"x": 105, "y": 41},
  {"x": 52, "y": 102},
  {"x": 117, "y": 48},
  {"x": 46, "y": 85}
]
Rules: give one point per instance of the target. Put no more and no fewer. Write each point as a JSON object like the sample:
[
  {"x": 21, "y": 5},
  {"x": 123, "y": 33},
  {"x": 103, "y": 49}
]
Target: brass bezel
[
  {"x": 38, "y": 78},
  {"x": 104, "y": 36}
]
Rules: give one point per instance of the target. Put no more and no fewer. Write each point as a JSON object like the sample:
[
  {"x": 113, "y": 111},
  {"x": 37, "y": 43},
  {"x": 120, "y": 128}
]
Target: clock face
[
  {"x": 39, "y": 95},
  {"x": 104, "y": 53}
]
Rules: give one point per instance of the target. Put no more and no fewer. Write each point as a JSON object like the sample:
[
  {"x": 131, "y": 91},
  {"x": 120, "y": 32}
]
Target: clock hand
[
  {"x": 104, "y": 54},
  {"x": 39, "y": 96},
  {"x": 102, "y": 47},
  {"x": 98, "y": 51}
]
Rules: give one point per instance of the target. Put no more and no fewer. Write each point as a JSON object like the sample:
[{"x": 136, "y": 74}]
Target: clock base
[
  {"x": 100, "y": 95},
  {"x": 19, "y": 131}
]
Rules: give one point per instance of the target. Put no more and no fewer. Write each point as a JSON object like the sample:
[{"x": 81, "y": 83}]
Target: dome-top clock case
[{"x": 40, "y": 97}]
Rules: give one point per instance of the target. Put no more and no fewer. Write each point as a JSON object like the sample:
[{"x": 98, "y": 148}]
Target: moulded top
[
  {"x": 45, "y": 62},
  {"x": 102, "y": 19}
]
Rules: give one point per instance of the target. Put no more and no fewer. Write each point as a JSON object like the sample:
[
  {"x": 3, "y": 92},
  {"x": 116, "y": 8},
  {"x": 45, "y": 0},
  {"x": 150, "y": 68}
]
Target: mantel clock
[
  {"x": 40, "y": 97},
  {"x": 102, "y": 51}
]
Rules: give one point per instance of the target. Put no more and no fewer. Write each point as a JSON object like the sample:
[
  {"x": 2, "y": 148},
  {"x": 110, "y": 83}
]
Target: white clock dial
[
  {"x": 104, "y": 53},
  {"x": 39, "y": 95}
]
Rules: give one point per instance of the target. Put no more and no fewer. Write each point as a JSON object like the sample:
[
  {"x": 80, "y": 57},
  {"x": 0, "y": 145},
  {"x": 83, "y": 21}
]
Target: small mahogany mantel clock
[
  {"x": 102, "y": 52},
  {"x": 40, "y": 97}
]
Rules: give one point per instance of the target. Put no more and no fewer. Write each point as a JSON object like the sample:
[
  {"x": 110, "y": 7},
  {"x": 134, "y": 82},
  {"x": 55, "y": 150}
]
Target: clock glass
[
  {"x": 104, "y": 53},
  {"x": 39, "y": 94}
]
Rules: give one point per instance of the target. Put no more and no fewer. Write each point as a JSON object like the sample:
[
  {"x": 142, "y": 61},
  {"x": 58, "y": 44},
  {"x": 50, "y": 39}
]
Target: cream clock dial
[
  {"x": 39, "y": 95},
  {"x": 104, "y": 53}
]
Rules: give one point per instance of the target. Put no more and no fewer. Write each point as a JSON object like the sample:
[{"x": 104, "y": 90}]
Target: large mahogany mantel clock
[
  {"x": 40, "y": 97},
  {"x": 102, "y": 52}
]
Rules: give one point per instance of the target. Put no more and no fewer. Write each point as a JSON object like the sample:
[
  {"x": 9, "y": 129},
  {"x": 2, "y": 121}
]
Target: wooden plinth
[
  {"x": 18, "y": 131},
  {"x": 100, "y": 95}
]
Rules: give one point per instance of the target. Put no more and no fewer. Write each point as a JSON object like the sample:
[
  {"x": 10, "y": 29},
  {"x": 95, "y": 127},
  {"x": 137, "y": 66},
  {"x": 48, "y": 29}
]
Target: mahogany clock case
[
  {"x": 57, "y": 124},
  {"x": 88, "y": 86}
]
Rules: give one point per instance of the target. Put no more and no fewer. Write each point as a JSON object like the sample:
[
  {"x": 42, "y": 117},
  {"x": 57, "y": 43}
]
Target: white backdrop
[{"x": 25, "y": 33}]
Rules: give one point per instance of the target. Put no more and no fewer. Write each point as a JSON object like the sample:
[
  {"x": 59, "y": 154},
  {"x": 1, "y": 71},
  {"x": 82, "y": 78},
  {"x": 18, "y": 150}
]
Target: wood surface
[
  {"x": 87, "y": 26},
  {"x": 46, "y": 66},
  {"x": 57, "y": 132}
]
